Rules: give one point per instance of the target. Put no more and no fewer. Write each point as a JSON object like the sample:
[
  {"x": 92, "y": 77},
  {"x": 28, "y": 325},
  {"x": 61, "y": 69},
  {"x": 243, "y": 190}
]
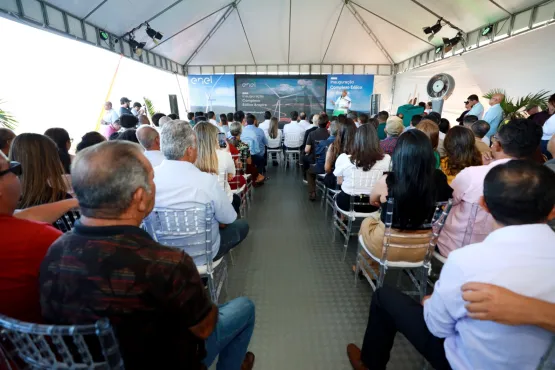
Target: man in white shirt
[
  {"x": 212, "y": 119},
  {"x": 149, "y": 139},
  {"x": 180, "y": 184},
  {"x": 476, "y": 108},
  {"x": 265, "y": 126},
  {"x": 342, "y": 105},
  {"x": 110, "y": 115},
  {"x": 293, "y": 133},
  {"x": 440, "y": 328},
  {"x": 303, "y": 122}
]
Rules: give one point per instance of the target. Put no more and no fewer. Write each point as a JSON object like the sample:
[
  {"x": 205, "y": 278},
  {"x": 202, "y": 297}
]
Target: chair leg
[
  {"x": 381, "y": 278},
  {"x": 347, "y": 237},
  {"x": 423, "y": 281},
  {"x": 212, "y": 288}
]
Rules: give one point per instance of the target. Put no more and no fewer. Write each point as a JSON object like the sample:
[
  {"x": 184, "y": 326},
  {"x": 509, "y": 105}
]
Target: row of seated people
[{"x": 108, "y": 266}]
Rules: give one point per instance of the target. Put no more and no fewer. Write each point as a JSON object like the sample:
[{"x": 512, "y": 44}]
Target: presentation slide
[
  {"x": 280, "y": 95},
  {"x": 211, "y": 93}
]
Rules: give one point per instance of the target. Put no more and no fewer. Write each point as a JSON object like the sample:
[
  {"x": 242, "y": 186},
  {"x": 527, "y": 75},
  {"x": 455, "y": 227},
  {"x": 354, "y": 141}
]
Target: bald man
[
  {"x": 150, "y": 140},
  {"x": 494, "y": 115},
  {"x": 143, "y": 120}
]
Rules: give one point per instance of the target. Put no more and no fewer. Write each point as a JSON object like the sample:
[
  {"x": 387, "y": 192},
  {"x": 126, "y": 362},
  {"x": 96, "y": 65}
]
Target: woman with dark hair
[
  {"x": 415, "y": 185},
  {"x": 366, "y": 155},
  {"x": 41, "y": 181},
  {"x": 63, "y": 143},
  {"x": 460, "y": 151},
  {"x": 90, "y": 139}
]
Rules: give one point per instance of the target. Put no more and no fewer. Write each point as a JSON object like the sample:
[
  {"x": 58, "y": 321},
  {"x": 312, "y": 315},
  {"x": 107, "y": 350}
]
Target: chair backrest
[
  {"x": 470, "y": 224},
  {"x": 293, "y": 139},
  {"x": 363, "y": 180},
  {"x": 66, "y": 222},
  {"x": 189, "y": 229},
  {"x": 422, "y": 242},
  {"x": 32, "y": 346}
]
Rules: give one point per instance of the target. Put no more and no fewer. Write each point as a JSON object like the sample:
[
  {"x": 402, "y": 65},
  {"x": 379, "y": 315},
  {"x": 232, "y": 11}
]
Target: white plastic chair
[
  {"x": 190, "y": 229},
  {"x": 395, "y": 238},
  {"x": 31, "y": 346},
  {"x": 343, "y": 220},
  {"x": 275, "y": 147},
  {"x": 293, "y": 141},
  {"x": 66, "y": 222}
]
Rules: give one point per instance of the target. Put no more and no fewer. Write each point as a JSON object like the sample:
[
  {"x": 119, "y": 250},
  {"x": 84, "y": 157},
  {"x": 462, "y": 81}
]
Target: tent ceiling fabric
[{"x": 266, "y": 24}]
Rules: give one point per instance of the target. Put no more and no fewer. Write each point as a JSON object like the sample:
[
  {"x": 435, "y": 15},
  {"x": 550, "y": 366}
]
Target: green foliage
[
  {"x": 149, "y": 107},
  {"x": 7, "y": 120},
  {"x": 516, "y": 108}
]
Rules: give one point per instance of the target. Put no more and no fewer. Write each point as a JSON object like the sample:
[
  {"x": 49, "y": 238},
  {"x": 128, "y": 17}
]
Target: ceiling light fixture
[
  {"x": 154, "y": 35},
  {"x": 433, "y": 30},
  {"x": 450, "y": 43},
  {"x": 487, "y": 30},
  {"x": 104, "y": 36},
  {"x": 136, "y": 47}
]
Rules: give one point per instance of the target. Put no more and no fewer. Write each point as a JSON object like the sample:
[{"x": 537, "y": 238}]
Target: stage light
[
  {"x": 154, "y": 35},
  {"x": 432, "y": 30},
  {"x": 137, "y": 47},
  {"x": 103, "y": 35},
  {"x": 450, "y": 43},
  {"x": 487, "y": 30}
]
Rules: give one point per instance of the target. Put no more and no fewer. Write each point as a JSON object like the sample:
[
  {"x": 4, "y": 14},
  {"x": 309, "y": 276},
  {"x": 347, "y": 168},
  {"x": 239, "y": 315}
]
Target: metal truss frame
[
  {"x": 475, "y": 40},
  {"x": 291, "y": 69},
  {"x": 83, "y": 35}
]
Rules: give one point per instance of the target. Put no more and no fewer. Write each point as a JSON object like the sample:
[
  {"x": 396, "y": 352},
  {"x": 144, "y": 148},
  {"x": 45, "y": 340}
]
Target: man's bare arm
[{"x": 48, "y": 213}]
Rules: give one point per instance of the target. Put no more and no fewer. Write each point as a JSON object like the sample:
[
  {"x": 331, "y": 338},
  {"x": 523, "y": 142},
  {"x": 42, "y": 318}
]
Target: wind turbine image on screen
[
  {"x": 209, "y": 98},
  {"x": 277, "y": 108}
]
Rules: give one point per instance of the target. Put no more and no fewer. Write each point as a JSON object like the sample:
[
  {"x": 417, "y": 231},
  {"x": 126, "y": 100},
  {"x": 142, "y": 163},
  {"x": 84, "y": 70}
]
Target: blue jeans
[
  {"x": 232, "y": 334},
  {"x": 231, "y": 236}
]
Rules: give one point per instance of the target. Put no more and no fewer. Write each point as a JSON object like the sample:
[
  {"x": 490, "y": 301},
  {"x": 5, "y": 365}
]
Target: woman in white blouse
[
  {"x": 352, "y": 170},
  {"x": 213, "y": 159}
]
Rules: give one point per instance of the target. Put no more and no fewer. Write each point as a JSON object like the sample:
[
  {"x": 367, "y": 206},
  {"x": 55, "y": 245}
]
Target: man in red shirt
[{"x": 23, "y": 246}]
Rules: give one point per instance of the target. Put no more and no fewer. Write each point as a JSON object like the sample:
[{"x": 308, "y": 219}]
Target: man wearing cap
[
  {"x": 124, "y": 109},
  {"x": 393, "y": 128},
  {"x": 476, "y": 108}
]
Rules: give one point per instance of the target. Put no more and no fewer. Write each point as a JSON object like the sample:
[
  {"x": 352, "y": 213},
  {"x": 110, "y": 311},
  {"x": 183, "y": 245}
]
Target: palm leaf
[
  {"x": 149, "y": 107},
  {"x": 515, "y": 108},
  {"x": 7, "y": 120}
]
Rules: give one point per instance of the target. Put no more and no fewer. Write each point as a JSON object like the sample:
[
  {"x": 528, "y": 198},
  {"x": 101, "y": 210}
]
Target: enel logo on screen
[
  {"x": 201, "y": 80},
  {"x": 251, "y": 85}
]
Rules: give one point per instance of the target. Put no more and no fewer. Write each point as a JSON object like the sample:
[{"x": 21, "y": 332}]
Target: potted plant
[{"x": 517, "y": 108}]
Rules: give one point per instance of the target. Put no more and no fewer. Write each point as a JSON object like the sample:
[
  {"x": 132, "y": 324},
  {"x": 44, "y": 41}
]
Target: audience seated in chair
[
  {"x": 26, "y": 237},
  {"x": 265, "y": 125},
  {"x": 480, "y": 129},
  {"x": 61, "y": 138},
  {"x": 152, "y": 294},
  {"x": 179, "y": 182},
  {"x": 149, "y": 138},
  {"x": 215, "y": 160},
  {"x": 293, "y": 133},
  {"x": 314, "y": 137},
  {"x": 90, "y": 139},
  {"x": 320, "y": 154},
  {"x": 393, "y": 128},
  {"x": 6, "y": 138},
  {"x": 366, "y": 156},
  {"x": 460, "y": 152},
  {"x": 238, "y": 147},
  {"x": 42, "y": 178},
  {"x": 441, "y": 329},
  {"x": 343, "y": 144},
  {"x": 274, "y": 137},
  {"x": 431, "y": 129},
  {"x": 416, "y": 186},
  {"x": 256, "y": 139},
  {"x": 517, "y": 139}
]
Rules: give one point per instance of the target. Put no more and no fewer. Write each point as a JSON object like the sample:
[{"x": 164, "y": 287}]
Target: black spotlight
[
  {"x": 432, "y": 30},
  {"x": 154, "y": 35},
  {"x": 103, "y": 35},
  {"x": 137, "y": 47},
  {"x": 450, "y": 43},
  {"x": 487, "y": 30}
]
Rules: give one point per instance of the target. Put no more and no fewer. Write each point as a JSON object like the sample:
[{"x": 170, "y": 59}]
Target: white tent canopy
[{"x": 280, "y": 32}]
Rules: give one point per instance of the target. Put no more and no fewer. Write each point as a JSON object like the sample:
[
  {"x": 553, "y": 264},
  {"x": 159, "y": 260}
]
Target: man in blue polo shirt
[{"x": 255, "y": 135}]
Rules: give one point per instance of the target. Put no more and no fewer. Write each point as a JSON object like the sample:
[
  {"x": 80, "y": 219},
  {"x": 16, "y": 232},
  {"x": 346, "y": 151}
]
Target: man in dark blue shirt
[{"x": 124, "y": 109}]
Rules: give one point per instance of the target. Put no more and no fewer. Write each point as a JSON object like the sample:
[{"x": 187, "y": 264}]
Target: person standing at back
[
  {"x": 124, "y": 108},
  {"x": 212, "y": 118},
  {"x": 108, "y": 123},
  {"x": 476, "y": 108},
  {"x": 265, "y": 126},
  {"x": 224, "y": 124},
  {"x": 494, "y": 115}
]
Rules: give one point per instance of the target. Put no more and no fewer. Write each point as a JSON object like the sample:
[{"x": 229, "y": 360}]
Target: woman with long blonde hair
[
  {"x": 215, "y": 160},
  {"x": 42, "y": 178}
]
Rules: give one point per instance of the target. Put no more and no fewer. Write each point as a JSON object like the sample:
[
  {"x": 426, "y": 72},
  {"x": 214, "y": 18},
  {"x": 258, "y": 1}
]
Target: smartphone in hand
[{"x": 221, "y": 140}]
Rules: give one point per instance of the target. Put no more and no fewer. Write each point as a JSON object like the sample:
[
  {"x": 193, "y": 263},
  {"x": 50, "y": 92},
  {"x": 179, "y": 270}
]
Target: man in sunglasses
[{"x": 23, "y": 245}]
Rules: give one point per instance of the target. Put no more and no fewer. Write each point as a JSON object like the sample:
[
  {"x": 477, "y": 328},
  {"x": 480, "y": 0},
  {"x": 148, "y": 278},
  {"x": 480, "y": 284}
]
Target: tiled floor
[{"x": 307, "y": 307}]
